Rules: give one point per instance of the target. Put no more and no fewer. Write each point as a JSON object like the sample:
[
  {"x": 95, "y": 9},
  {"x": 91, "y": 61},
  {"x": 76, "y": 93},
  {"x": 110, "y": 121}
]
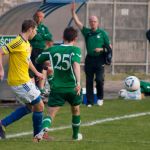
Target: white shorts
[{"x": 27, "y": 92}]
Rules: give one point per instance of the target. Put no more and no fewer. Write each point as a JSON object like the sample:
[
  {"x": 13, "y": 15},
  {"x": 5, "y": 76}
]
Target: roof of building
[{"x": 10, "y": 22}]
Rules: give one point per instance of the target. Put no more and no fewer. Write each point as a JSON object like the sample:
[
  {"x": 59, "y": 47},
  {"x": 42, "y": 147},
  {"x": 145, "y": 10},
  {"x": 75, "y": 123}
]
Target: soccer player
[
  {"x": 19, "y": 51},
  {"x": 39, "y": 44},
  {"x": 138, "y": 94},
  {"x": 65, "y": 83}
]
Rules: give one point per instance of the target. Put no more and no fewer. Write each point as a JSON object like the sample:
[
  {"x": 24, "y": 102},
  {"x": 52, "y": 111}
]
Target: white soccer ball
[
  {"x": 132, "y": 83},
  {"x": 122, "y": 93}
]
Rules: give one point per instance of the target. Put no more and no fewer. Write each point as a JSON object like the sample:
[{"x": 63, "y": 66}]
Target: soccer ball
[
  {"x": 122, "y": 93},
  {"x": 132, "y": 83}
]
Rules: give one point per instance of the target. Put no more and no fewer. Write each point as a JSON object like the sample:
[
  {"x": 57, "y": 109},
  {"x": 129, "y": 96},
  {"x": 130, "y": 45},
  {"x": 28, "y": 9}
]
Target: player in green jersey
[
  {"x": 39, "y": 43},
  {"x": 65, "y": 83},
  {"x": 144, "y": 90},
  {"x": 145, "y": 87}
]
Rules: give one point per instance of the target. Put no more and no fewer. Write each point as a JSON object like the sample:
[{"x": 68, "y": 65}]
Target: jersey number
[{"x": 64, "y": 59}]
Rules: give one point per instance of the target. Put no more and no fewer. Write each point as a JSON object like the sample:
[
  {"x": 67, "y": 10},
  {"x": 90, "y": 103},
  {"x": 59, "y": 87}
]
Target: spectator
[{"x": 95, "y": 39}]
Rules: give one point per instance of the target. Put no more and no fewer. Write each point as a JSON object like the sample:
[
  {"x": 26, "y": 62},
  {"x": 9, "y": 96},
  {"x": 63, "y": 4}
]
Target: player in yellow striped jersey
[{"x": 19, "y": 51}]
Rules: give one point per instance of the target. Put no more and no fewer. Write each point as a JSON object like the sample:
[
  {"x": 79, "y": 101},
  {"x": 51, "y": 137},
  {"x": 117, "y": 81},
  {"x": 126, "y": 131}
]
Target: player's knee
[
  {"x": 76, "y": 110},
  {"x": 39, "y": 107}
]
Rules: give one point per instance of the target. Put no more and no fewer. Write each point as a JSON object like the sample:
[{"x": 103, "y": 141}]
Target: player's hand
[
  {"x": 98, "y": 49},
  {"x": 47, "y": 63},
  {"x": 40, "y": 76},
  {"x": 49, "y": 71},
  {"x": 78, "y": 89},
  {"x": 47, "y": 66},
  {"x": 1, "y": 73},
  {"x": 73, "y": 6}
]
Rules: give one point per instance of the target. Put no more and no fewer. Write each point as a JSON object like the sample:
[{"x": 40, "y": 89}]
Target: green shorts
[{"x": 59, "y": 98}]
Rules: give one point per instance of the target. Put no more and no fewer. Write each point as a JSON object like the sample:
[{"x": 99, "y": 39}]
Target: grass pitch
[{"x": 109, "y": 127}]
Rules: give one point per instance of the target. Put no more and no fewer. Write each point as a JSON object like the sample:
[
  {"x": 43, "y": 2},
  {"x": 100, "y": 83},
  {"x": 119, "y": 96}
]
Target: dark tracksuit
[{"x": 94, "y": 62}]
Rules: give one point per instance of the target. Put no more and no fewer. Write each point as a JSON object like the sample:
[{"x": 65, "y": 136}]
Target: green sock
[
  {"x": 42, "y": 91},
  {"x": 47, "y": 121},
  {"x": 75, "y": 126},
  {"x": 50, "y": 79}
]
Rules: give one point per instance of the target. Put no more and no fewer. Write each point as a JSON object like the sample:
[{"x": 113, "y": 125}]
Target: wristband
[{"x": 78, "y": 83}]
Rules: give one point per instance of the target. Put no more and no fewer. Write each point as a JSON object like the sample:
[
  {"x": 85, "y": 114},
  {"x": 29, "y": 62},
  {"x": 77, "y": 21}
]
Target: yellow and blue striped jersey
[{"x": 19, "y": 52}]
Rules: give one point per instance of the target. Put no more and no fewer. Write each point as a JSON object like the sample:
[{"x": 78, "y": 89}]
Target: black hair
[
  {"x": 70, "y": 33},
  {"x": 27, "y": 24}
]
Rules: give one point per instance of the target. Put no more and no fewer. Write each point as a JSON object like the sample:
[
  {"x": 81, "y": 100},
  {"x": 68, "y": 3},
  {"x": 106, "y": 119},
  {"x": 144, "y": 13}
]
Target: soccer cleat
[
  {"x": 2, "y": 131},
  {"x": 46, "y": 129},
  {"x": 80, "y": 137},
  {"x": 100, "y": 102},
  {"x": 47, "y": 137},
  {"x": 37, "y": 138},
  {"x": 45, "y": 133}
]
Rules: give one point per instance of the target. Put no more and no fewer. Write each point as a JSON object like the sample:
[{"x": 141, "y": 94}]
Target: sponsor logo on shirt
[{"x": 99, "y": 36}]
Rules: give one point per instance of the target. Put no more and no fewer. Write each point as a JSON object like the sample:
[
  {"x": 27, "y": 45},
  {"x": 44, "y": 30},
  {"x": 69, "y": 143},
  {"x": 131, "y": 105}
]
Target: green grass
[{"x": 124, "y": 134}]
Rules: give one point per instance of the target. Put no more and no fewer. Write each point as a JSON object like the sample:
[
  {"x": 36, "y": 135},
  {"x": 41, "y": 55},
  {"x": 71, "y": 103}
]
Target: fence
[{"x": 126, "y": 22}]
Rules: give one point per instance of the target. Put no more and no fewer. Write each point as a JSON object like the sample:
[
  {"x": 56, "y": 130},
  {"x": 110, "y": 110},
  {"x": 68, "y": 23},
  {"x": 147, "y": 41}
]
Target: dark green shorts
[{"x": 59, "y": 98}]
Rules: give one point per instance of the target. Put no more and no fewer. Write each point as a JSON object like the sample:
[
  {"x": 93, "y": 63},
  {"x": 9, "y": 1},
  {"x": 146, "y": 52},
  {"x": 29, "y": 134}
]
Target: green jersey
[
  {"x": 145, "y": 87},
  {"x": 62, "y": 58},
  {"x": 43, "y": 35},
  {"x": 95, "y": 39}
]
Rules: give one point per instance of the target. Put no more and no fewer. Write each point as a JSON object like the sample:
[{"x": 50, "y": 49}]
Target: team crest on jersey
[
  {"x": 98, "y": 36},
  {"x": 43, "y": 28}
]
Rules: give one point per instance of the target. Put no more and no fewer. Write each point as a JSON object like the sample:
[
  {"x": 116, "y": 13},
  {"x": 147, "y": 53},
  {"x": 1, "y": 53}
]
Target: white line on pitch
[{"x": 85, "y": 124}]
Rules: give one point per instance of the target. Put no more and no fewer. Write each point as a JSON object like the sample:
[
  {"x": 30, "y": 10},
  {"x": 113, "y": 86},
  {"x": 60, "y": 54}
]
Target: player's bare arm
[
  {"x": 47, "y": 66},
  {"x": 38, "y": 74},
  {"x": 1, "y": 65},
  {"x": 76, "y": 67},
  {"x": 75, "y": 17}
]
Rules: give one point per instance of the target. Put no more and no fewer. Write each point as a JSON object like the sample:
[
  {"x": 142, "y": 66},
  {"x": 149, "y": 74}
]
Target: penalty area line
[{"x": 85, "y": 124}]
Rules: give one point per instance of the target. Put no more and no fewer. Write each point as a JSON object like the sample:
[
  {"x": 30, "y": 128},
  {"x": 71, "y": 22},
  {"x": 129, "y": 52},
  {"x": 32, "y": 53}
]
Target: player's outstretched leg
[
  {"x": 47, "y": 122},
  {"x": 2, "y": 131},
  {"x": 37, "y": 118},
  {"x": 14, "y": 116}
]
